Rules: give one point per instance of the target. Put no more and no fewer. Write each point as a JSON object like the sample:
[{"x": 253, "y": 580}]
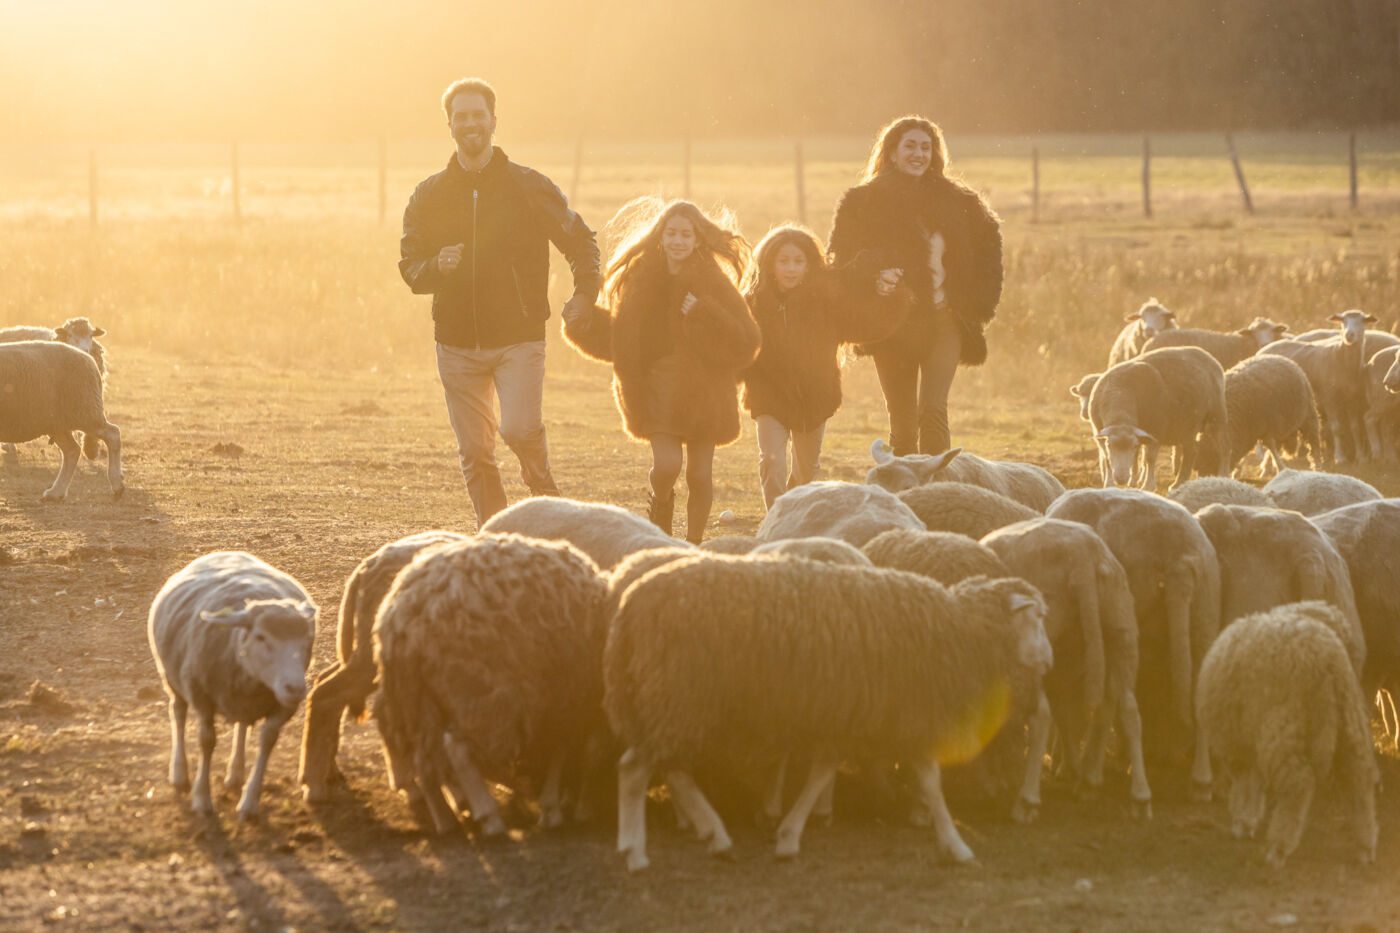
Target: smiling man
[{"x": 476, "y": 237}]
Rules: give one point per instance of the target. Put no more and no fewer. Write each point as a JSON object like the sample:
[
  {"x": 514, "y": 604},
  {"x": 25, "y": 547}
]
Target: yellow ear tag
[{"x": 222, "y": 613}]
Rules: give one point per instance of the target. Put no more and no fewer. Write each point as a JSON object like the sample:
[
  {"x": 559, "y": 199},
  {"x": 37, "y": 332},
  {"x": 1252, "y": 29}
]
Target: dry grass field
[{"x": 275, "y": 387}]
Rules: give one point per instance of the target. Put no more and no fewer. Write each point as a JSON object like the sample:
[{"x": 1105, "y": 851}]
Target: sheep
[
  {"x": 1268, "y": 400},
  {"x": 1314, "y": 493},
  {"x": 852, "y": 512},
  {"x": 48, "y": 387},
  {"x": 1272, "y": 557},
  {"x": 1093, "y": 632},
  {"x": 1207, "y": 490},
  {"x": 605, "y": 533},
  {"x": 489, "y": 653},
  {"x": 1143, "y": 324},
  {"x": 1163, "y": 397},
  {"x": 1383, "y": 403},
  {"x": 962, "y": 508},
  {"x": 780, "y": 654},
  {"x": 1175, "y": 581},
  {"x": 1228, "y": 349},
  {"x": 1282, "y": 711},
  {"x": 230, "y": 635},
  {"x": 729, "y": 544},
  {"x": 822, "y": 549},
  {"x": 77, "y": 332},
  {"x": 1367, "y": 535},
  {"x": 1082, "y": 390},
  {"x": 348, "y": 683},
  {"x": 1026, "y": 483},
  {"x": 943, "y": 556}
]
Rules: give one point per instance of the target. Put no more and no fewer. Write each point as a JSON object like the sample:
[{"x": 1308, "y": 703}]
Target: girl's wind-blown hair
[
  {"x": 637, "y": 226},
  {"x": 882, "y": 156},
  {"x": 765, "y": 254}
]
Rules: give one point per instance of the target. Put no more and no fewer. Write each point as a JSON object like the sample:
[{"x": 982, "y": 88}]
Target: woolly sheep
[
  {"x": 230, "y": 635},
  {"x": 1268, "y": 400},
  {"x": 1163, "y": 397},
  {"x": 1282, "y": 711},
  {"x": 826, "y": 550},
  {"x": 49, "y": 388},
  {"x": 1033, "y": 486},
  {"x": 348, "y": 682},
  {"x": 605, "y": 533},
  {"x": 729, "y": 544},
  {"x": 1208, "y": 490},
  {"x": 490, "y": 667},
  {"x": 852, "y": 512},
  {"x": 962, "y": 508},
  {"x": 1228, "y": 349},
  {"x": 1143, "y": 324},
  {"x": 1367, "y": 535},
  {"x": 1383, "y": 403},
  {"x": 943, "y": 556},
  {"x": 1314, "y": 493},
  {"x": 1272, "y": 557},
  {"x": 77, "y": 332},
  {"x": 854, "y": 661},
  {"x": 1093, "y": 631},
  {"x": 1082, "y": 390},
  {"x": 1175, "y": 581}
]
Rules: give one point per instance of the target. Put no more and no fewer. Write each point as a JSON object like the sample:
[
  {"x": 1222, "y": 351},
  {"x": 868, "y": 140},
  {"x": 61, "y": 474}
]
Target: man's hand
[
  {"x": 450, "y": 258},
  {"x": 886, "y": 281},
  {"x": 575, "y": 308},
  {"x": 688, "y": 302}
]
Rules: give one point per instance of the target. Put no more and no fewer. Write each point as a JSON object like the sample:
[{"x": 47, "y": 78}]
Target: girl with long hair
[
  {"x": 678, "y": 333},
  {"x": 805, "y": 311},
  {"x": 947, "y": 240}
]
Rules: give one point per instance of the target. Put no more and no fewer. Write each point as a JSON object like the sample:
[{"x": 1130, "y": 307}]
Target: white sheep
[
  {"x": 1367, "y": 535},
  {"x": 1283, "y": 711},
  {"x": 605, "y": 533},
  {"x": 963, "y": 508},
  {"x": 1143, "y": 324},
  {"x": 1033, "y": 486},
  {"x": 1268, "y": 401},
  {"x": 852, "y": 512},
  {"x": 1383, "y": 403},
  {"x": 1313, "y": 493},
  {"x": 230, "y": 635},
  {"x": 1207, "y": 490},
  {"x": 1082, "y": 390},
  {"x": 782, "y": 654},
  {"x": 730, "y": 544},
  {"x": 1228, "y": 349},
  {"x": 828, "y": 550},
  {"x": 49, "y": 388},
  {"x": 77, "y": 332}
]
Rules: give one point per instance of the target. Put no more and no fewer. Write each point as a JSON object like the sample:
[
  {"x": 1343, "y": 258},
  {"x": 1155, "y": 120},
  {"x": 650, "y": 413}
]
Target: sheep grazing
[
  {"x": 348, "y": 682},
  {"x": 1163, "y": 397},
  {"x": 827, "y": 550},
  {"x": 1208, "y": 490},
  {"x": 1228, "y": 349},
  {"x": 1283, "y": 711},
  {"x": 1175, "y": 581},
  {"x": 230, "y": 635},
  {"x": 1367, "y": 535},
  {"x": 787, "y": 655},
  {"x": 852, "y": 512},
  {"x": 1093, "y": 631},
  {"x": 963, "y": 509},
  {"x": 1383, "y": 404},
  {"x": 605, "y": 533},
  {"x": 939, "y": 555},
  {"x": 1271, "y": 557},
  {"x": 1082, "y": 390},
  {"x": 490, "y": 669},
  {"x": 1143, "y": 324},
  {"x": 1315, "y": 493},
  {"x": 1033, "y": 486},
  {"x": 77, "y": 332},
  {"x": 1268, "y": 400},
  {"x": 730, "y": 544},
  {"x": 49, "y": 388}
]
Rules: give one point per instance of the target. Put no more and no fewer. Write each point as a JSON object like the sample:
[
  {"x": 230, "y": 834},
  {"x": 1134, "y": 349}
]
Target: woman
[
  {"x": 948, "y": 242},
  {"x": 805, "y": 312},
  {"x": 678, "y": 333}
]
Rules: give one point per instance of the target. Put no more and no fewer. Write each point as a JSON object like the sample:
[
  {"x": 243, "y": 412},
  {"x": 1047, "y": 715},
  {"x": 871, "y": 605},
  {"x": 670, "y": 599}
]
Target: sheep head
[{"x": 1122, "y": 443}]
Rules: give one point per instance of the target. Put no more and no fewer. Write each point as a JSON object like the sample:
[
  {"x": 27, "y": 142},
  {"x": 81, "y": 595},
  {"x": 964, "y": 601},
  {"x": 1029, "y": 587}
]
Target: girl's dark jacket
[
  {"x": 894, "y": 215},
  {"x": 715, "y": 342},
  {"x": 797, "y": 378}
]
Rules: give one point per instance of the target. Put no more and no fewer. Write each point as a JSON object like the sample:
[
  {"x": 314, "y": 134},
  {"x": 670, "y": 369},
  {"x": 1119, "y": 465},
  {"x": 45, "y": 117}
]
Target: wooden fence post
[
  {"x": 92, "y": 186},
  {"x": 237, "y": 205},
  {"x": 687, "y": 168},
  {"x": 383, "y": 179},
  {"x": 578, "y": 170},
  {"x": 799, "y": 167},
  {"x": 1035, "y": 184},
  {"x": 1353, "y": 171},
  {"x": 1146, "y": 176},
  {"x": 1239, "y": 173}
]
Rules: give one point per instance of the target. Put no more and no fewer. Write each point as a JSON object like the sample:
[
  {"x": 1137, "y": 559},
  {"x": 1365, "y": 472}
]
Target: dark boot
[{"x": 659, "y": 511}]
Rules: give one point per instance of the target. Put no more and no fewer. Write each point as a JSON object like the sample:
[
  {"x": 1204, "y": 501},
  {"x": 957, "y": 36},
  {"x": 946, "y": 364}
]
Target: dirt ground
[{"x": 312, "y": 471}]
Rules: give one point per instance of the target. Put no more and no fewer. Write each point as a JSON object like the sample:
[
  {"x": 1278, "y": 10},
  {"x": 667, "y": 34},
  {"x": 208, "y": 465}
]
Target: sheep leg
[
  {"x": 1246, "y": 803},
  {"x": 633, "y": 775},
  {"x": 1336, "y": 428},
  {"x": 772, "y": 810},
  {"x": 708, "y": 825},
  {"x": 473, "y": 785},
  {"x": 1185, "y": 463},
  {"x": 931, "y": 794},
  {"x": 1201, "y": 779},
  {"x": 320, "y": 738},
  {"x": 825, "y": 803},
  {"x": 429, "y": 778},
  {"x": 267, "y": 737},
  {"x": 551, "y": 800},
  {"x": 201, "y": 801},
  {"x": 819, "y": 777},
  {"x": 71, "y": 452},
  {"x": 1095, "y": 750},
  {"x": 179, "y": 767},
  {"x": 1274, "y": 457},
  {"x": 1291, "y": 781},
  {"x": 236, "y": 759},
  {"x": 1131, "y": 722},
  {"x": 112, "y": 437},
  {"x": 1027, "y": 805},
  {"x": 1149, "y": 475}
]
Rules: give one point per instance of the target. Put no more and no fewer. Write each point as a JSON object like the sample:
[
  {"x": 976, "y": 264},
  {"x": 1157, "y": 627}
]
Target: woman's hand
[
  {"x": 688, "y": 302},
  {"x": 886, "y": 281}
]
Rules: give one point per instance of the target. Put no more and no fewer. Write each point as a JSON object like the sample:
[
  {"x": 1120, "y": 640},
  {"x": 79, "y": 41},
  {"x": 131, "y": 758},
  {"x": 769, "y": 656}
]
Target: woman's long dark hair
[
  {"x": 637, "y": 227},
  {"x": 882, "y": 156},
  {"x": 760, "y": 275}
]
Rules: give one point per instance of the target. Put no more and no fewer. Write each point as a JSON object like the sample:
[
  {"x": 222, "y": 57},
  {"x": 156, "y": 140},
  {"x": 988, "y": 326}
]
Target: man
[{"x": 476, "y": 237}]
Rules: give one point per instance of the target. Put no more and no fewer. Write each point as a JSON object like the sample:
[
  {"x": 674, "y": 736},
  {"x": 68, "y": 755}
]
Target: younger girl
[
  {"x": 805, "y": 312},
  {"x": 678, "y": 333}
]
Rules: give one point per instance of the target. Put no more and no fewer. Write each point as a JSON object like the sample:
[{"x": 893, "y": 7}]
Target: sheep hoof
[
  {"x": 1368, "y": 855},
  {"x": 314, "y": 793},
  {"x": 722, "y": 849},
  {"x": 1200, "y": 791},
  {"x": 1276, "y": 857},
  {"x": 117, "y": 493},
  {"x": 201, "y": 804},
  {"x": 1025, "y": 811},
  {"x": 492, "y": 827},
  {"x": 248, "y": 814},
  {"x": 1142, "y": 810},
  {"x": 48, "y": 495},
  {"x": 787, "y": 848},
  {"x": 959, "y": 853},
  {"x": 636, "y": 861}
]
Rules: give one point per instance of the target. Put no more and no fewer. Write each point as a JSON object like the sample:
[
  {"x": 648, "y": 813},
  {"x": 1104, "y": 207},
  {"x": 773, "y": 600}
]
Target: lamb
[
  {"x": 605, "y": 533},
  {"x": 1367, "y": 535},
  {"x": 842, "y": 660},
  {"x": 1283, "y": 711},
  {"x": 1026, "y": 483},
  {"x": 1082, "y": 390},
  {"x": 1163, "y": 397},
  {"x": 1315, "y": 493},
  {"x": 1383, "y": 403},
  {"x": 1093, "y": 632},
  {"x": 47, "y": 387},
  {"x": 1271, "y": 557},
  {"x": 1143, "y": 324},
  {"x": 230, "y": 635},
  {"x": 1268, "y": 400},
  {"x": 852, "y": 512},
  {"x": 730, "y": 544},
  {"x": 1207, "y": 490},
  {"x": 1228, "y": 349},
  {"x": 348, "y": 683},
  {"x": 962, "y": 508},
  {"x": 1175, "y": 581},
  {"x": 489, "y": 653}
]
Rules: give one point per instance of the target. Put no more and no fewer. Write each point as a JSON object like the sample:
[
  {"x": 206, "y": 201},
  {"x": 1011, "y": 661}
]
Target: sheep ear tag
[
  {"x": 228, "y": 616},
  {"x": 880, "y": 452}
]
